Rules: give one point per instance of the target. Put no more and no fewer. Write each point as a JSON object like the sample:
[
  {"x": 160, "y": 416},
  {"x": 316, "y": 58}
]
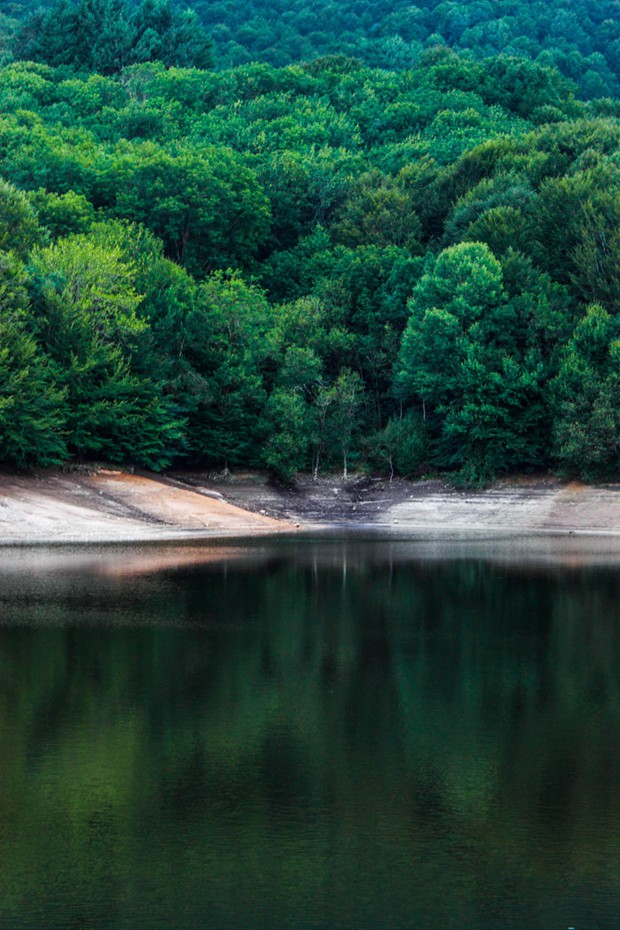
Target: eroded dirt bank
[
  {"x": 115, "y": 506},
  {"x": 541, "y": 504}
]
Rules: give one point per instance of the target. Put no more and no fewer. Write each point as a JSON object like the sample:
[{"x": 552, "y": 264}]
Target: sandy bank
[
  {"x": 114, "y": 506},
  {"x": 543, "y": 506}
]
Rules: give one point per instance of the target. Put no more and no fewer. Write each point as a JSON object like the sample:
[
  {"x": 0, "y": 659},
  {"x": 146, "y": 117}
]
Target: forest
[
  {"x": 581, "y": 38},
  {"x": 399, "y": 256}
]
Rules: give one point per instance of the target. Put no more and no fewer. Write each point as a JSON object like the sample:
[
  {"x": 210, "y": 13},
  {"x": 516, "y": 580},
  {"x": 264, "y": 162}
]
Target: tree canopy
[
  {"x": 107, "y": 35},
  {"x": 322, "y": 265}
]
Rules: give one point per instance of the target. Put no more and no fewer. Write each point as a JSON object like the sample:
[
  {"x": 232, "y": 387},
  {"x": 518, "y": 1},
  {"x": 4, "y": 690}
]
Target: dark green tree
[
  {"x": 32, "y": 406},
  {"x": 586, "y": 432},
  {"x": 86, "y": 315},
  {"x": 465, "y": 361}
]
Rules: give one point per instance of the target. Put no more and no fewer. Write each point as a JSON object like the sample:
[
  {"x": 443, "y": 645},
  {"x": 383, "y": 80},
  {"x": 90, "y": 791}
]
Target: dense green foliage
[
  {"x": 310, "y": 267},
  {"x": 108, "y": 35},
  {"x": 581, "y": 38}
]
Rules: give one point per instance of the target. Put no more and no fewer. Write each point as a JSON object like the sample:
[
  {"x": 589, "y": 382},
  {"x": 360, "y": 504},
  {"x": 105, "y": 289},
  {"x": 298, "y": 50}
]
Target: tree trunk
[{"x": 315, "y": 466}]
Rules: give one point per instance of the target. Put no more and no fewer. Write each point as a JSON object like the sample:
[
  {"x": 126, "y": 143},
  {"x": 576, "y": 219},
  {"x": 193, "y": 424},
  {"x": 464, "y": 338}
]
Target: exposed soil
[
  {"x": 114, "y": 506},
  {"x": 328, "y": 500},
  {"x": 110, "y": 505},
  {"x": 518, "y": 504}
]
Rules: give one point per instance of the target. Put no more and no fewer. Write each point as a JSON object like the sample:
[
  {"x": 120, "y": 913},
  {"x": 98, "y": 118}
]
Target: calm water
[{"x": 320, "y": 736}]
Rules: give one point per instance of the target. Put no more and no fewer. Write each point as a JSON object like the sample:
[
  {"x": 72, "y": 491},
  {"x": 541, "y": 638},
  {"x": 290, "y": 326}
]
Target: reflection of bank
[
  {"x": 260, "y": 732},
  {"x": 256, "y": 733},
  {"x": 342, "y": 549}
]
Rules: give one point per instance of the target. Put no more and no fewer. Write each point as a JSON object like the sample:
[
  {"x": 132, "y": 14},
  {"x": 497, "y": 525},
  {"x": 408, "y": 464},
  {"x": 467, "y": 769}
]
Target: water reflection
[{"x": 337, "y": 735}]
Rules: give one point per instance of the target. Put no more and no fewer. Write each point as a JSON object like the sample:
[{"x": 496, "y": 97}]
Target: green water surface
[{"x": 316, "y": 735}]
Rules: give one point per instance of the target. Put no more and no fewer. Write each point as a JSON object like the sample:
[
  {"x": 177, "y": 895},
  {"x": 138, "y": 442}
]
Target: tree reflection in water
[{"x": 327, "y": 735}]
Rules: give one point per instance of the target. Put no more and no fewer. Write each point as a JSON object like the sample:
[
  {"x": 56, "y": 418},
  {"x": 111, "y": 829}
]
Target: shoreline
[{"x": 112, "y": 506}]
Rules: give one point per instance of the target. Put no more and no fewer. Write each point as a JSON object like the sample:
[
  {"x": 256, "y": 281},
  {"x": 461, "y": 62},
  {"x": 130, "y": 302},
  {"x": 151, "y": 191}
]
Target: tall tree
[
  {"x": 107, "y": 35},
  {"x": 32, "y": 406},
  {"x": 86, "y": 315}
]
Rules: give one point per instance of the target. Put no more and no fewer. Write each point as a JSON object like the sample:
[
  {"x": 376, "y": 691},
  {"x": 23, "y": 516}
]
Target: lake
[{"x": 326, "y": 734}]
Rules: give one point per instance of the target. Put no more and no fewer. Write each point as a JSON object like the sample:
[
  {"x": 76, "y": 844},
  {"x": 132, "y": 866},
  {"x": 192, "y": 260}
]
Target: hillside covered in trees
[
  {"x": 312, "y": 266},
  {"x": 581, "y": 38}
]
